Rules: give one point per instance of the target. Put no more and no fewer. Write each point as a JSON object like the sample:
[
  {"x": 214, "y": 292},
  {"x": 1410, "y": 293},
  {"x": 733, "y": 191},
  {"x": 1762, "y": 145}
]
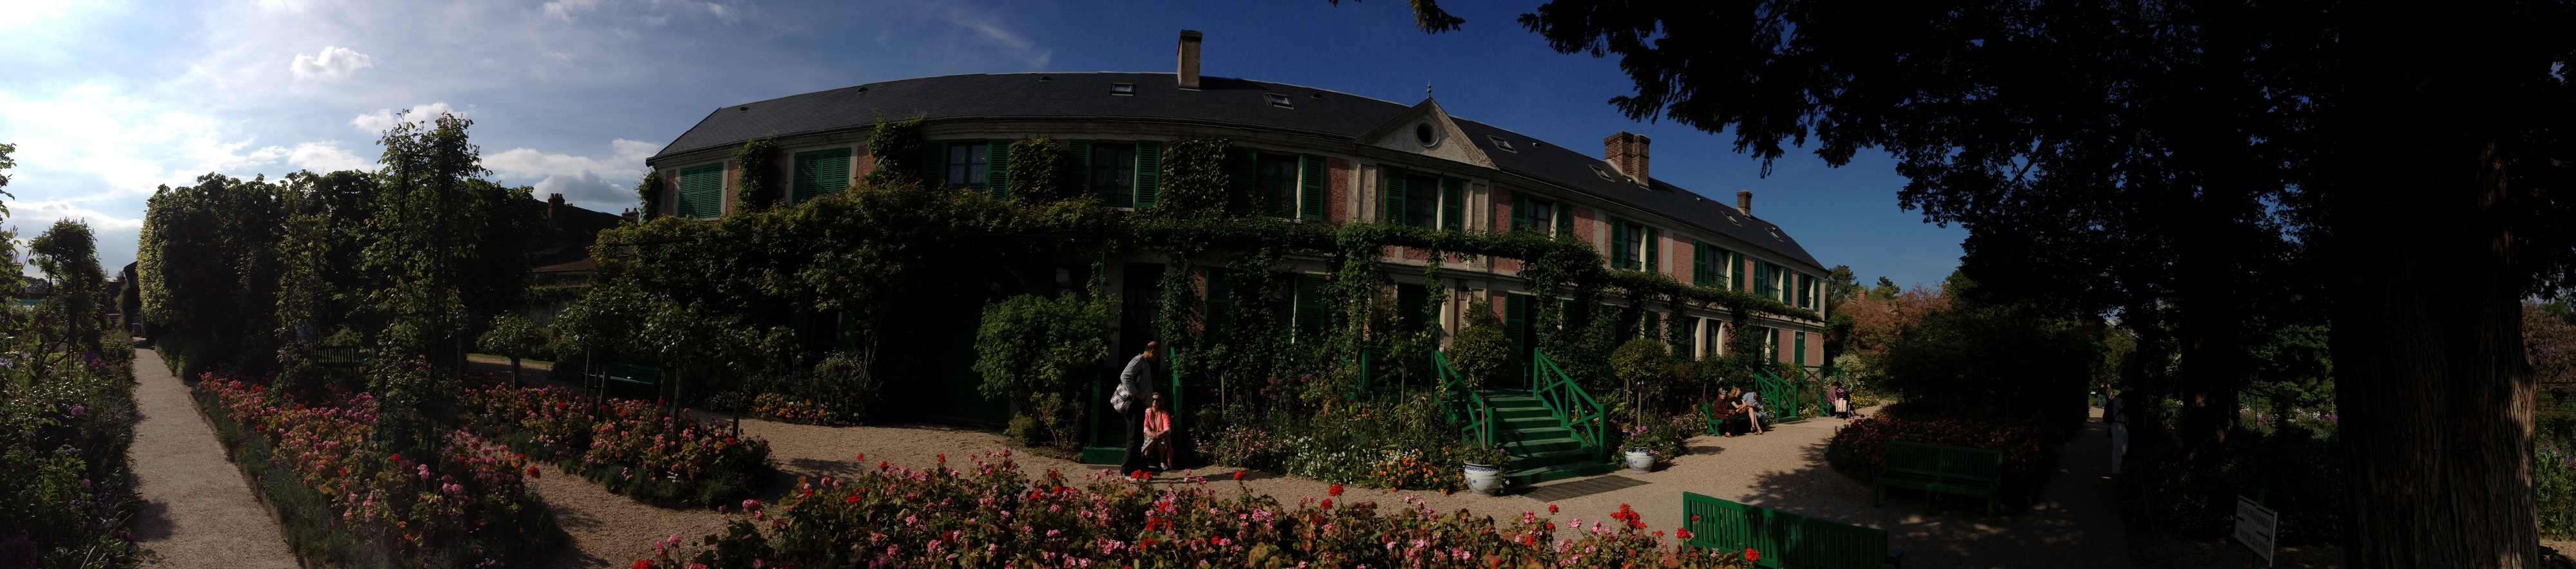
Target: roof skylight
[{"x": 1122, "y": 88}]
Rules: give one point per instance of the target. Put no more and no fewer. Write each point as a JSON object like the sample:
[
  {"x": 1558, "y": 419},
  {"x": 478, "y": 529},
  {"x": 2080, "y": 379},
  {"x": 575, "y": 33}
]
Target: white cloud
[
  {"x": 385, "y": 119},
  {"x": 333, "y": 63},
  {"x": 132, "y": 144},
  {"x": 564, "y": 9},
  {"x": 44, "y": 213},
  {"x": 595, "y": 183},
  {"x": 326, "y": 157},
  {"x": 990, "y": 29},
  {"x": 288, "y": 6}
]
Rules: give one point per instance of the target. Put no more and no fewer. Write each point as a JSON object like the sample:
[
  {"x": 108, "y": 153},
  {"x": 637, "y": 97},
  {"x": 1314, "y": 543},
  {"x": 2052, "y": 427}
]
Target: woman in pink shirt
[{"x": 1158, "y": 434}]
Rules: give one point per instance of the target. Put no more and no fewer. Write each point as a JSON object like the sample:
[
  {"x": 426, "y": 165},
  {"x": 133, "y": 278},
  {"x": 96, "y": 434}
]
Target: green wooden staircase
[{"x": 1553, "y": 429}]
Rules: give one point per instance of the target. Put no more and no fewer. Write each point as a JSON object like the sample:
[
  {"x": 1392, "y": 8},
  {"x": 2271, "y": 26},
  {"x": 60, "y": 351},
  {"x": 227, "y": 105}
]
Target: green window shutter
[
  {"x": 821, "y": 172},
  {"x": 1078, "y": 154},
  {"x": 1311, "y": 188},
  {"x": 1149, "y": 172},
  {"x": 701, "y": 191},
  {"x": 1564, "y": 219},
  {"x": 1699, "y": 264},
  {"x": 1516, "y": 317},
  {"x": 1521, "y": 213},
  {"x": 1220, "y": 303},
  {"x": 1654, "y": 250},
  {"x": 1393, "y": 213},
  {"x": 1621, "y": 257},
  {"x": 1801, "y": 353},
  {"x": 1735, "y": 272},
  {"x": 934, "y": 163},
  {"x": 1762, "y": 280},
  {"x": 997, "y": 167},
  {"x": 1242, "y": 166},
  {"x": 1309, "y": 308},
  {"x": 1453, "y": 204}
]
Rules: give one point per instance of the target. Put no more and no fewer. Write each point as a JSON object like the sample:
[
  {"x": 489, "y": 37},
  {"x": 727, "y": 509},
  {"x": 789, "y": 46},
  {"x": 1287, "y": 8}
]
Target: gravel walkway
[
  {"x": 2075, "y": 522},
  {"x": 197, "y": 510}
]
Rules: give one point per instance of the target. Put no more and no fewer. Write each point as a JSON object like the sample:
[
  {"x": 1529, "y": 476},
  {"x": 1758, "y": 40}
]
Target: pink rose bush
[
  {"x": 628, "y": 446},
  {"x": 345, "y": 498},
  {"x": 990, "y": 514}
]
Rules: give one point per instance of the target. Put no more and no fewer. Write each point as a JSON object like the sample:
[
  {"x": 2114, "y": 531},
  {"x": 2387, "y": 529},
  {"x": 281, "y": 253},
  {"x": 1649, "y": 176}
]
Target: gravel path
[
  {"x": 197, "y": 510},
  {"x": 2075, "y": 522}
]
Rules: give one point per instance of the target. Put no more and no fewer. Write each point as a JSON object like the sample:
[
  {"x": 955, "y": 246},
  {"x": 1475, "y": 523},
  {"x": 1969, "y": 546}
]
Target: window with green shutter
[
  {"x": 1564, "y": 219},
  {"x": 1619, "y": 244},
  {"x": 820, "y": 172},
  {"x": 1308, "y": 307},
  {"x": 1700, "y": 265},
  {"x": 1312, "y": 188},
  {"x": 1392, "y": 211},
  {"x": 1453, "y": 204},
  {"x": 1242, "y": 172},
  {"x": 1113, "y": 173},
  {"x": 997, "y": 171},
  {"x": 1077, "y": 155},
  {"x": 1149, "y": 172},
  {"x": 1654, "y": 250},
  {"x": 702, "y": 191},
  {"x": 1275, "y": 184},
  {"x": 1220, "y": 303},
  {"x": 969, "y": 163},
  {"x": 1801, "y": 353},
  {"x": 934, "y": 162}
]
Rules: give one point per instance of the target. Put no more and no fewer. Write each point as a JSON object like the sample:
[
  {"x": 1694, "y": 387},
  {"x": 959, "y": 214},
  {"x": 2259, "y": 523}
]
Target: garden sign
[{"x": 2255, "y": 525}]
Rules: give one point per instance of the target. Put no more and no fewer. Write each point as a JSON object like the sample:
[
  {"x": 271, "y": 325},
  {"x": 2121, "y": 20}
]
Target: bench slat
[{"x": 1785, "y": 539}]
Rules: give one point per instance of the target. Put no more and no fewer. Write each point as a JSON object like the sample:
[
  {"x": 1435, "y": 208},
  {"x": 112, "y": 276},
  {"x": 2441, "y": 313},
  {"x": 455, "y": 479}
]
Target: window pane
[
  {"x": 1275, "y": 183},
  {"x": 1113, "y": 173},
  {"x": 1422, "y": 201},
  {"x": 976, "y": 163},
  {"x": 957, "y": 164},
  {"x": 1542, "y": 216}
]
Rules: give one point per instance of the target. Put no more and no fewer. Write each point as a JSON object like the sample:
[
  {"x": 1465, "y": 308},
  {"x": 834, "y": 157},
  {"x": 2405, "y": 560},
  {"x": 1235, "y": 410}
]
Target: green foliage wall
[
  {"x": 758, "y": 180},
  {"x": 2009, "y": 362},
  {"x": 1040, "y": 352},
  {"x": 1040, "y": 171}
]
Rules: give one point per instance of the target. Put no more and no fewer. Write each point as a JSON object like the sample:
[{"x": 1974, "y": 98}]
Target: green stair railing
[
  {"x": 1780, "y": 394},
  {"x": 1569, "y": 404},
  {"x": 1464, "y": 407}
]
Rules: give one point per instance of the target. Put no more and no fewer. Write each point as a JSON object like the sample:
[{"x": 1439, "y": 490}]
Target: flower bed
[
  {"x": 66, "y": 496},
  {"x": 627, "y": 446},
  {"x": 992, "y": 515},
  {"x": 345, "y": 501},
  {"x": 1856, "y": 445}
]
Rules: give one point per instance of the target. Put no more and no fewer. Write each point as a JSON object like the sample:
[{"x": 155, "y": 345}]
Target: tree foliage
[
  {"x": 1482, "y": 351},
  {"x": 758, "y": 182},
  {"x": 1039, "y": 352},
  {"x": 68, "y": 254}
]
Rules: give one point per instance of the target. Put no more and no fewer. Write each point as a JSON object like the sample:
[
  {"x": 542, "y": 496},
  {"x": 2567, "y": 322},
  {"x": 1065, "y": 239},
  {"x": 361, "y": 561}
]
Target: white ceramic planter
[
  {"x": 1641, "y": 461},
  {"x": 1484, "y": 480}
]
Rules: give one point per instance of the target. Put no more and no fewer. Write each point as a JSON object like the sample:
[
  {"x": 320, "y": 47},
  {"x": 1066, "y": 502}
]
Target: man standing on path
[
  {"x": 1135, "y": 387},
  {"x": 2116, "y": 412}
]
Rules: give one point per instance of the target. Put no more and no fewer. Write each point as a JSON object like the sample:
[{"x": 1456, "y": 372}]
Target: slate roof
[{"x": 1226, "y": 102}]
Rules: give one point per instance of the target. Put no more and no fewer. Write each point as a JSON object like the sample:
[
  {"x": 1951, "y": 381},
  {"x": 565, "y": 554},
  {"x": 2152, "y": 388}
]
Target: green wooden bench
[
  {"x": 1785, "y": 539},
  {"x": 629, "y": 372},
  {"x": 1943, "y": 469}
]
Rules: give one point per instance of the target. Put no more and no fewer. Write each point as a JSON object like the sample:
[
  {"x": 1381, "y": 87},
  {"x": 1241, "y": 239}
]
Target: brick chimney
[
  {"x": 554, "y": 204},
  {"x": 1744, "y": 202},
  {"x": 1627, "y": 151},
  {"x": 1190, "y": 59}
]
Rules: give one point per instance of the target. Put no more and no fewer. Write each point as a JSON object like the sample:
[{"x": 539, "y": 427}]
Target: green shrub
[
  {"x": 2554, "y": 475},
  {"x": 1481, "y": 352},
  {"x": 64, "y": 483}
]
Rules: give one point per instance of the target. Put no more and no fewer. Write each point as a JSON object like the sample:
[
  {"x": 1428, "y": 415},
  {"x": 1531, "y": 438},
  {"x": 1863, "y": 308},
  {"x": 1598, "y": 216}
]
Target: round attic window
[{"x": 1423, "y": 133}]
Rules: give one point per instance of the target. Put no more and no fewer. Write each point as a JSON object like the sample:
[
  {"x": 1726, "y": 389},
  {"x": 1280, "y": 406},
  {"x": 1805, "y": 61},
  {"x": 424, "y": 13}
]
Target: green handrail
[
  {"x": 1776, "y": 391},
  {"x": 1569, "y": 404},
  {"x": 1464, "y": 407}
]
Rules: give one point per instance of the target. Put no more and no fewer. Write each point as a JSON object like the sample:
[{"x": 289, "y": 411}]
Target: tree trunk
[
  {"x": 2430, "y": 371},
  {"x": 514, "y": 371}
]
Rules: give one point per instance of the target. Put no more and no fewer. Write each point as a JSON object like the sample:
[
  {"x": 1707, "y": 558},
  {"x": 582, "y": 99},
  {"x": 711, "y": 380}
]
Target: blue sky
[{"x": 109, "y": 99}]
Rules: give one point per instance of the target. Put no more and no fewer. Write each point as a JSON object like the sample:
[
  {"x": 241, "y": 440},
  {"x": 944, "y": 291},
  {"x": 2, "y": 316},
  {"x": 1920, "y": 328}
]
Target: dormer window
[
  {"x": 1506, "y": 145},
  {"x": 1122, "y": 89},
  {"x": 1604, "y": 174},
  {"x": 1278, "y": 100}
]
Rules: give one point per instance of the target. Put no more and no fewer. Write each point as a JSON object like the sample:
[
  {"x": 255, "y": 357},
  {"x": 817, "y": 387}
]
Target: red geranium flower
[
  {"x": 1752, "y": 555},
  {"x": 532, "y": 472},
  {"x": 643, "y": 564},
  {"x": 1328, "y": 503},
  {"x": 853, "y": 499},
  {"x": 1238, "y": 475},
  {"x": 1335, "y": 491},
  {"x": 1551, "y": 508}
]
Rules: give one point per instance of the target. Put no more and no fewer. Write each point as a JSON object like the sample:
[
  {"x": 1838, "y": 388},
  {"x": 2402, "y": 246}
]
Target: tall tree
[
  {"x": 450, "y": 245},
  {"x": 2161, "y": 159},
  {"x": 68, "y": 254}
]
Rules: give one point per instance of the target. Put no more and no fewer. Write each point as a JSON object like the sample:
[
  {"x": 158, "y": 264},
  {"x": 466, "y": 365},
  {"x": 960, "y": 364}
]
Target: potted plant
[
  {"x": 1484, "y": 464},
  {"x": 1639, "y": 446}
]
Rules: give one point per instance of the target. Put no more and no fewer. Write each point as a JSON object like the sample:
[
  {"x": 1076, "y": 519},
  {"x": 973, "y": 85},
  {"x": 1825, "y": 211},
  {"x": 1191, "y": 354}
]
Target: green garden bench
[
  {"x": 1943, "y": 469},
  {"x": 629, "y": 372},
  {"x": 1785, "y": 539}
]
